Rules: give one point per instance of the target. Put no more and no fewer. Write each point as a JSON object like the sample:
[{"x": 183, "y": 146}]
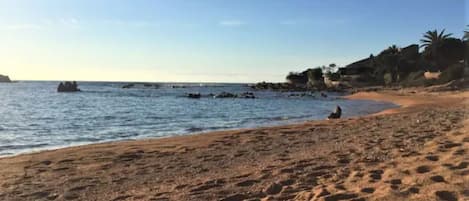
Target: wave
[
  {"x": 22, "y": 146},
  {"x": 210, "y": 128}
]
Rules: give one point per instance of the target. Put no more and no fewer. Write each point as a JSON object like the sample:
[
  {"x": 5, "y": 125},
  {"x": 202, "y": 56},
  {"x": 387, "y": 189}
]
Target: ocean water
[{"x": 35, "y": 117}]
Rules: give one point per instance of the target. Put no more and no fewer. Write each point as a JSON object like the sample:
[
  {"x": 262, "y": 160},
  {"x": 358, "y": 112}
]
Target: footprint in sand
[
  {"x": 46, "y": 162},
  {"x": 437, "y": 178},
  {"x": 395, "y": 183},
  {"x": 341, "y": 196},
  {"x": 70, "y": 196},
  {"x": 66, "y": 161},
  {"x": 466, "y": 139},
  {"x": 121, "y": 197},
  {"x": 340, "y": 187},
  {"x": 446, "y": 195},
  {"x": 423, "y": 169},
  {"x": 450, "y": 145},
  {"x": 368, "y": 190},
  {"x": 235, "y": 197},
  {"x": 376, "y": 175},
  {"x": 413, "y": 190},
  {"x": 432, "y": 158},
  {"x": 459, "y": 152},
  {"x": 247, "y": 183},
  {"x": 461, "y": 165}
]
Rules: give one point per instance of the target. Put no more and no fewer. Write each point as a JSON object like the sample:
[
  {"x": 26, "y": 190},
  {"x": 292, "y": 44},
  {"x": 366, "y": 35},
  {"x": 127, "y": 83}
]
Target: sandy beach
[{"x": 418, "y": 151}]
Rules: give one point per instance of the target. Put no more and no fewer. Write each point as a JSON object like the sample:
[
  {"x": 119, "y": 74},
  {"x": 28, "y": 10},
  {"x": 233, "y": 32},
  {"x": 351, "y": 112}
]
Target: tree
[
  {"x": 466, "y": 46},
  {"x": 387, "y": 63},
  {"x": 450, "y": 51},
  {"x": 297, "y": 78},
  {"x": 315, "y": 78},
  {"x": 432, "y": 38},
  {"x": 466, "y": 34},
  {"x": 432, "y": 42}
]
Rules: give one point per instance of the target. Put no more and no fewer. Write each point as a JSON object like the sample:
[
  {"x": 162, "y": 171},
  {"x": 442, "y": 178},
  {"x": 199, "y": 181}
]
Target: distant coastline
[{"x": 4, "y": 78}]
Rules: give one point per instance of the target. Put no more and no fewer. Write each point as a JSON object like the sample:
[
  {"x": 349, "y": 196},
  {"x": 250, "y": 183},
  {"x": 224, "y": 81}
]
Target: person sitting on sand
[{"x": 336, "y": 114}]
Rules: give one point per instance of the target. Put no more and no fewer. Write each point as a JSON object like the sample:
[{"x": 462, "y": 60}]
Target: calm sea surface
[{"x": 35, "y": 117}]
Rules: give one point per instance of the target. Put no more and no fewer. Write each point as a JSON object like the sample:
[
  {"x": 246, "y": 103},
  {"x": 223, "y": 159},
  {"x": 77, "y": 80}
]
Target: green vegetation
[
  {"x": 432, "y": 38},
  {"x": 396, "y": 66}
]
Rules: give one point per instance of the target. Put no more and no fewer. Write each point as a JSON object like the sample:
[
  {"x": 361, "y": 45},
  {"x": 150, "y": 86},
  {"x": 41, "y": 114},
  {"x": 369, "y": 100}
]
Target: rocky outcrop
[
  {"x": 140, "y": 85},
  {"x": 283, "y": 86},
  {"x": 247, "y": 95},
  {"x": 4, "y": 78},
  {"x": 68, "y": 87}
]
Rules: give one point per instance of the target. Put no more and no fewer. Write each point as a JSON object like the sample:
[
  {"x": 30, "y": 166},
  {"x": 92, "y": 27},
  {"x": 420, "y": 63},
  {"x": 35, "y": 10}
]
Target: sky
[{"x": 207, "y": 40}]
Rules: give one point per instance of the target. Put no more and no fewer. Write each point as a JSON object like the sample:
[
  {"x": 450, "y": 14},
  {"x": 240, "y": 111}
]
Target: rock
[
  {"x": 141, "y": 85},
  {"x": 247, "y": 95},
  {"x": 225, "y": 95},
  {"x": 4, "y": 78},
  {"x": 336, "y": 114},
  {"x": 191, "y": 95},
  {"x": 283, "y": 86},
  {"x": 68, "y": 87},
  {"x": 272, "y": 189},
  {"x": 128, "y": 86}
]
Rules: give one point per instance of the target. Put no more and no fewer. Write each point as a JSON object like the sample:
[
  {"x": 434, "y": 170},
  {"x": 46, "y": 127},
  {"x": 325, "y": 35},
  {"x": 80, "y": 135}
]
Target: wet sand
[{"x": 419, "y": 151}]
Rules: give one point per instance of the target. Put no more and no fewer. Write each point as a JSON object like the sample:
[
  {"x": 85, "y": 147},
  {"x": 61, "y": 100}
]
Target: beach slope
[{"x": 416, "y": 152}]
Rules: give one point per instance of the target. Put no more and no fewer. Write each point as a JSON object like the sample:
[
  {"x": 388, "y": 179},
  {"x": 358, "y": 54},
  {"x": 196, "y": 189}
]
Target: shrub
[
  {"x": 453, "y": 72},
  {"x": 387, "y": 78},
  {"x": 415, "y": 79}
]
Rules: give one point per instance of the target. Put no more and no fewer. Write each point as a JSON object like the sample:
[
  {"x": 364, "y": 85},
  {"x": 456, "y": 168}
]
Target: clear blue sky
[{"x": 206, "y": 40}]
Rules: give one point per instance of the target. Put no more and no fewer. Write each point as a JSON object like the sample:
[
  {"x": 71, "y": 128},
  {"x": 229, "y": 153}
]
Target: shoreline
[
  {"x": 313, "y": 160},
  {"x": 296, "y": 122}
]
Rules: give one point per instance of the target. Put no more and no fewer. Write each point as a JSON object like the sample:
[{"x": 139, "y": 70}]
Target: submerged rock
[
  {"x": 68, "y": 87},
  {"x": 225, "y": 95},
  {"x": 4, "y": 78},
  {"x": 141, "y": 85},
  {"x": 128, "y": 86},
  {"x": 247, "y": 95},
  {"x": 193, "y": 95}
]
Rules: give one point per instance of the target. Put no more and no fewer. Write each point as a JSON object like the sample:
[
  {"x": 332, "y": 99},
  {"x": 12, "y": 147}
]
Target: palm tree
[{"x": 431, "y": 38}]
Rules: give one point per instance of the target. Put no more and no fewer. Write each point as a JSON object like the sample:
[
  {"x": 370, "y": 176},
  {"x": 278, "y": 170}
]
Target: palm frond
[
  {"x": 446, "y": 36},
  {"x": 425, "y": 40},
  {"x": 441, "y": 33}
]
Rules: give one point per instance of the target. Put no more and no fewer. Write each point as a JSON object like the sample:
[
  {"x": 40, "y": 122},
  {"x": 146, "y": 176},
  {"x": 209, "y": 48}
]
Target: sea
[{"x": 35, "y": 117}]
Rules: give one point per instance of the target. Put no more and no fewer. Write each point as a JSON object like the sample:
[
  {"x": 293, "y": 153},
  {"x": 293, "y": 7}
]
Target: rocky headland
[{"x": 4, "y": 78}]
